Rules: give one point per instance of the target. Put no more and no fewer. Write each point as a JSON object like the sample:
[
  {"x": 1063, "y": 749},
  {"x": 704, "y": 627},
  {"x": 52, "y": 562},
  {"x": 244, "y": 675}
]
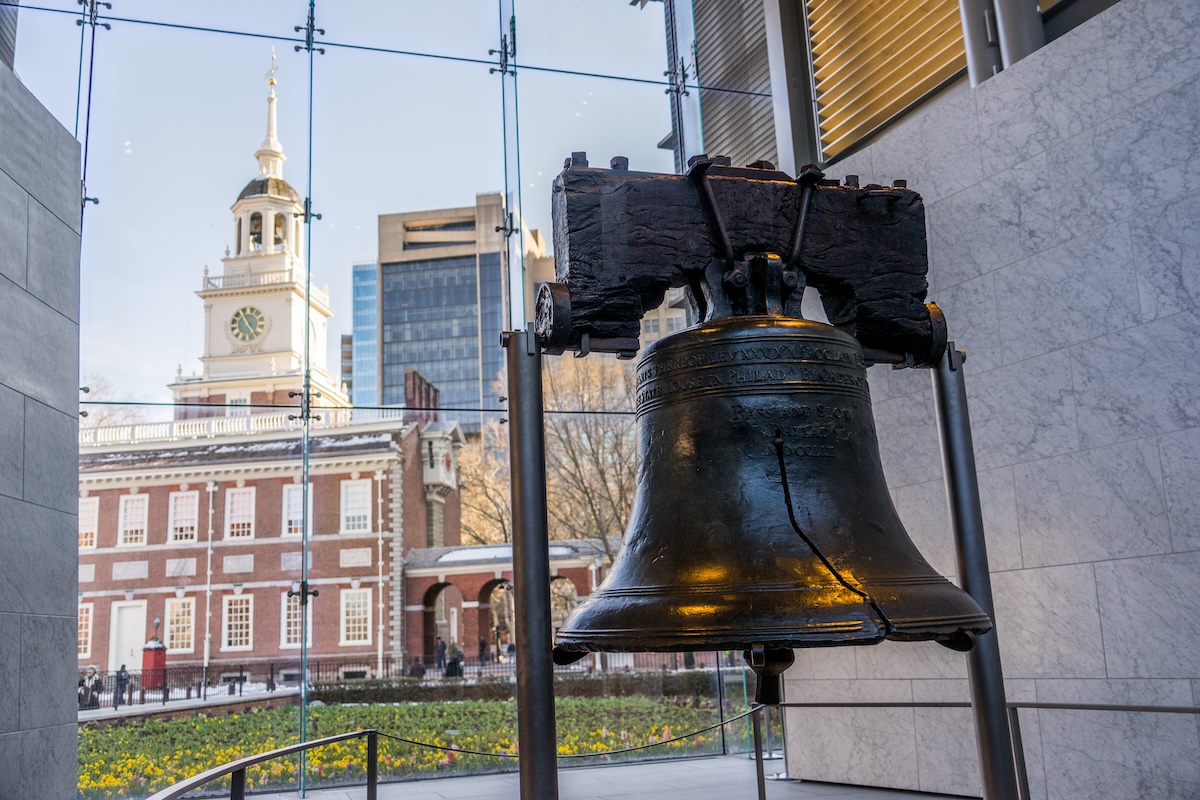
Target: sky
[{"x": 176, "y": 116}]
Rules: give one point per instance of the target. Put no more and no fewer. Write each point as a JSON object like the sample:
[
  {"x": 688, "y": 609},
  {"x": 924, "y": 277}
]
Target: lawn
[{"x": 139, "y": 757}]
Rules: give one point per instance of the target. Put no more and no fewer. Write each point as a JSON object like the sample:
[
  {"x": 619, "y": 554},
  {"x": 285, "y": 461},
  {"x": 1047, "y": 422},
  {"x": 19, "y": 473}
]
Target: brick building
[{"x": 195, "y": 536}]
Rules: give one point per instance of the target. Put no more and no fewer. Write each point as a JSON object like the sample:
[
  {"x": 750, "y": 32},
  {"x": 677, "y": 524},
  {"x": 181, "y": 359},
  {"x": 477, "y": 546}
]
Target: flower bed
[{"x": 138, "y": 758}]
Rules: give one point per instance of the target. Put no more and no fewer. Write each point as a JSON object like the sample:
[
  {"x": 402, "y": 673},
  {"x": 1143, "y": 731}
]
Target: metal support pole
[
  {"x": 531, "y": 568},
  {"x": 758, "y": 754},
  {"x": 997, "y": 768},
  {"x": 372, "y": 765},
  {"x": 721, "y": 703},
  {"x": 981, "y": 40},
  {"x": 1019, "y": 23},
  {"x": 1014, "y": 725}
]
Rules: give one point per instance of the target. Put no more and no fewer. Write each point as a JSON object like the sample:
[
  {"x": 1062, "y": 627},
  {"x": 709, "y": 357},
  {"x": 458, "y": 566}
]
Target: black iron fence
[{"x": 173, "y": 683}]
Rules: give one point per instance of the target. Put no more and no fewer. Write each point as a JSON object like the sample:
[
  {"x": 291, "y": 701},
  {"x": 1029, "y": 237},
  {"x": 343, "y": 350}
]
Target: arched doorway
[
  {"x": 563, "y": 599},
  {"x": 501, "y": 618},
  {"x": 443, "y": 618}
]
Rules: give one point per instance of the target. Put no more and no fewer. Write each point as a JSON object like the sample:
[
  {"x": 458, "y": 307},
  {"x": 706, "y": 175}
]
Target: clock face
[{"x": 247, "y": 324}]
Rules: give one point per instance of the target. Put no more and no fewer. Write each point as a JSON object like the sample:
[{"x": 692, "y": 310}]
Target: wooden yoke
[{"x": 740, "y": 240}]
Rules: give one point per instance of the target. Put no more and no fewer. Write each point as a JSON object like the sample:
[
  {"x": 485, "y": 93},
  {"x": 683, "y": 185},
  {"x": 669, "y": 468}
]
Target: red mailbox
[{"x": 154, "y": 664}]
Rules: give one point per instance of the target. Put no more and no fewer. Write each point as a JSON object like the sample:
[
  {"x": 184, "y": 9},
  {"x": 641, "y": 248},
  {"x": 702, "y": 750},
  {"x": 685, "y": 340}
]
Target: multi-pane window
[
  {"x": 132, "y": 519},
  {"x": 293, "y": 504},
  {"x": 180, "y": 633},
  {"x": 237, "y": 622},
  {"x": 356, "y": 506},
  {"x": 182, "y": 516},
  {"x": 239, "y": 513},
  {"x": 89, "y": 516},
  {"x": 85, "y": 630},
  {"x": 291, "y": 615},
  {"x": 356, "y": 616}
]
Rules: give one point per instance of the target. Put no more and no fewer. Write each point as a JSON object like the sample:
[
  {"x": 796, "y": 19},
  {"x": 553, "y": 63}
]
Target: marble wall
[
  {"x": 39, "y": 369},
  {"x": 1065, "y": 250}
]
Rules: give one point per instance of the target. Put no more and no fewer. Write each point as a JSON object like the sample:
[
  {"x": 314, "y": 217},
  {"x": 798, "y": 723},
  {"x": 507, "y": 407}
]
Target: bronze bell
[{"x": 762, "y": 520}]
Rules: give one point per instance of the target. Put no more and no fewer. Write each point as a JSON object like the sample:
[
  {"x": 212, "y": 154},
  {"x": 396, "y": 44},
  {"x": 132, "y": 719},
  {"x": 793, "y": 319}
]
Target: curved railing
[{"x": 237, "y": 769}]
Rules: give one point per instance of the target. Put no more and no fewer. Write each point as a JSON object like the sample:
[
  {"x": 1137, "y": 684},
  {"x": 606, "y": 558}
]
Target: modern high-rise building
[
  {"x": 364, "y": 348},
  {"x": 442, "y": 284}
]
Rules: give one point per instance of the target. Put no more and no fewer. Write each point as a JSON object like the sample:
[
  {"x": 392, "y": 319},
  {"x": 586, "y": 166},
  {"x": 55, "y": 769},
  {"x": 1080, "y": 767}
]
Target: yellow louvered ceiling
[{"x": 874, "y": 58}]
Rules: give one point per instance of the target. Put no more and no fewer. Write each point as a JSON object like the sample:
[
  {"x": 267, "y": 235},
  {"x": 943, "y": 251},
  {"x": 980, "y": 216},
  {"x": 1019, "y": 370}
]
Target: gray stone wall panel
[
  {"x": 14, "y": 230},
  {"x": 1058, "y": 92},
  {"x": 1150, "y": 46},
  {"x": 1041, "y": 307},
  {"x": 1048, "y": 622},
  {"x": 10, "y": 665},
  {"x": 1139, "y": 382},
  {"x": 49, "y": 680},
  {"x": 53, "y": 262},
  {"x": 1166, "y": 257},
  {"x": 1145, "y": 156},
  {"x": 38, "y": 153},
  {"x": 1181, "y": 480},
  {"x": 1010, "y": 217},
  {"x": 40, "y": 763},
  {"x": 1151, "y": 613},
  {"x": 51, "y": 439},
  {"x": 34, "y": 581},
  {"x": 1023, "y": 411},
  {"x": 1093, "y": 505},
  {"x": 34, "y": 327},
  {"x": 12, "y": 443}
]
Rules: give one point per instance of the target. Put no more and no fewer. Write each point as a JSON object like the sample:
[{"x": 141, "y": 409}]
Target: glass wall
[{"x": 258, "y": 181}]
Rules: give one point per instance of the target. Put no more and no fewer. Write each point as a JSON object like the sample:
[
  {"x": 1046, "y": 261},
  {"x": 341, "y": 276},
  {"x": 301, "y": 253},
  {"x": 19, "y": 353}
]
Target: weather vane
[{"x": 270, "y": 76}]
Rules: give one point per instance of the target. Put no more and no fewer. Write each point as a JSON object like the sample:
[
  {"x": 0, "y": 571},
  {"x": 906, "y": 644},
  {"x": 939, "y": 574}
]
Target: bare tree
[
  {"x": 591, "y": 457},
  {"x": 99, "y": 390},
  {"x": 484, "y": 487},
  {"x": 591, "y": 447}
]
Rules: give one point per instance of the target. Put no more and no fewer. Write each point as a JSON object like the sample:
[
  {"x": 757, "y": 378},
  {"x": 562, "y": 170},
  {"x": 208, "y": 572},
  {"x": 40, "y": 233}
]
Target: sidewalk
[
  {"x": 716, "y": 778},
  {"x": 216, "y": 699}
]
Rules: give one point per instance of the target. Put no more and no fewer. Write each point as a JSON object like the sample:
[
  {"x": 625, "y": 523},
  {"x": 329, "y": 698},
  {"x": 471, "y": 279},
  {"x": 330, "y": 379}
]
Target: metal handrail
[
  {"x": 1014, "y": 723},
  {"x": 237, "y": 788}
]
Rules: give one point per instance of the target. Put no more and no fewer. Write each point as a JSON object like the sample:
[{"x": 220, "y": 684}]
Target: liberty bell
[{"x": 762, "y": 520}]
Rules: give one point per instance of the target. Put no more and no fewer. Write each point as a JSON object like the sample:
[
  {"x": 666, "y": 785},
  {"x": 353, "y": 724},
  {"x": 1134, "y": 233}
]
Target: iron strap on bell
[{"x": 762, "y": 520}]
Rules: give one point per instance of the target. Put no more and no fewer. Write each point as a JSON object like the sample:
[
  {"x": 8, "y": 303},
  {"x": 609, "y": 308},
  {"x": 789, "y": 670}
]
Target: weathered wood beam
[{"x": 622, "y": 239}]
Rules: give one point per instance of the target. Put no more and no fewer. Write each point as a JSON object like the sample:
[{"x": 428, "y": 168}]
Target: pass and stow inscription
[{"x": 784, "y": 363}]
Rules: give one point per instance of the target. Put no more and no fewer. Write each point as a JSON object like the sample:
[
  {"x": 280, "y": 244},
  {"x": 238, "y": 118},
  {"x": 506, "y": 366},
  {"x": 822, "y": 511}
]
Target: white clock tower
[{"x": 255, "y": 320}]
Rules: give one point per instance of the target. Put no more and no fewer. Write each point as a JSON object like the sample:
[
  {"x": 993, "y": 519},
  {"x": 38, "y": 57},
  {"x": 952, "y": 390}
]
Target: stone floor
[{"x": 717, "y": 778}]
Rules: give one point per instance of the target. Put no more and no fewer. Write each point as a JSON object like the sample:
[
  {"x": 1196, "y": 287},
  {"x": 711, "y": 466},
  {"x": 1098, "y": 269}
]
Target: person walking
[
  {"x": 122, "y": 687},
  {"x": 483, "y": 651}
]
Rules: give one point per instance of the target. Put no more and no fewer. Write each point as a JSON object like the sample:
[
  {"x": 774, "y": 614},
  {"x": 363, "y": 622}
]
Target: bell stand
[{"x": 531, "y": 572}]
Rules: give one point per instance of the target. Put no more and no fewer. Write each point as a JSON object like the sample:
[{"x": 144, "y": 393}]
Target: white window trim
[
  {"x": 283, "y": 519},
  {"x": 345, "y": 487},
  {"x": 174, "y": 601},
  {"x": 86, "y": 653},
  {"x": 171, "y": 501},
  {"x": 342, "y": 641},
  {"x": 284, "y": 644},
  {"x": 92, "y": 516},
  {"x": 125, "y": 501},
  {"x": 226, "y": 602},
  {"x": 250, "y": 492}
]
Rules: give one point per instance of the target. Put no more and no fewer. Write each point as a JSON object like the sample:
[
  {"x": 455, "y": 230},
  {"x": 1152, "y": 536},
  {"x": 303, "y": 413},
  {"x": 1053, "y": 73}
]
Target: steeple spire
[{"x": 270, "y": 153}]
